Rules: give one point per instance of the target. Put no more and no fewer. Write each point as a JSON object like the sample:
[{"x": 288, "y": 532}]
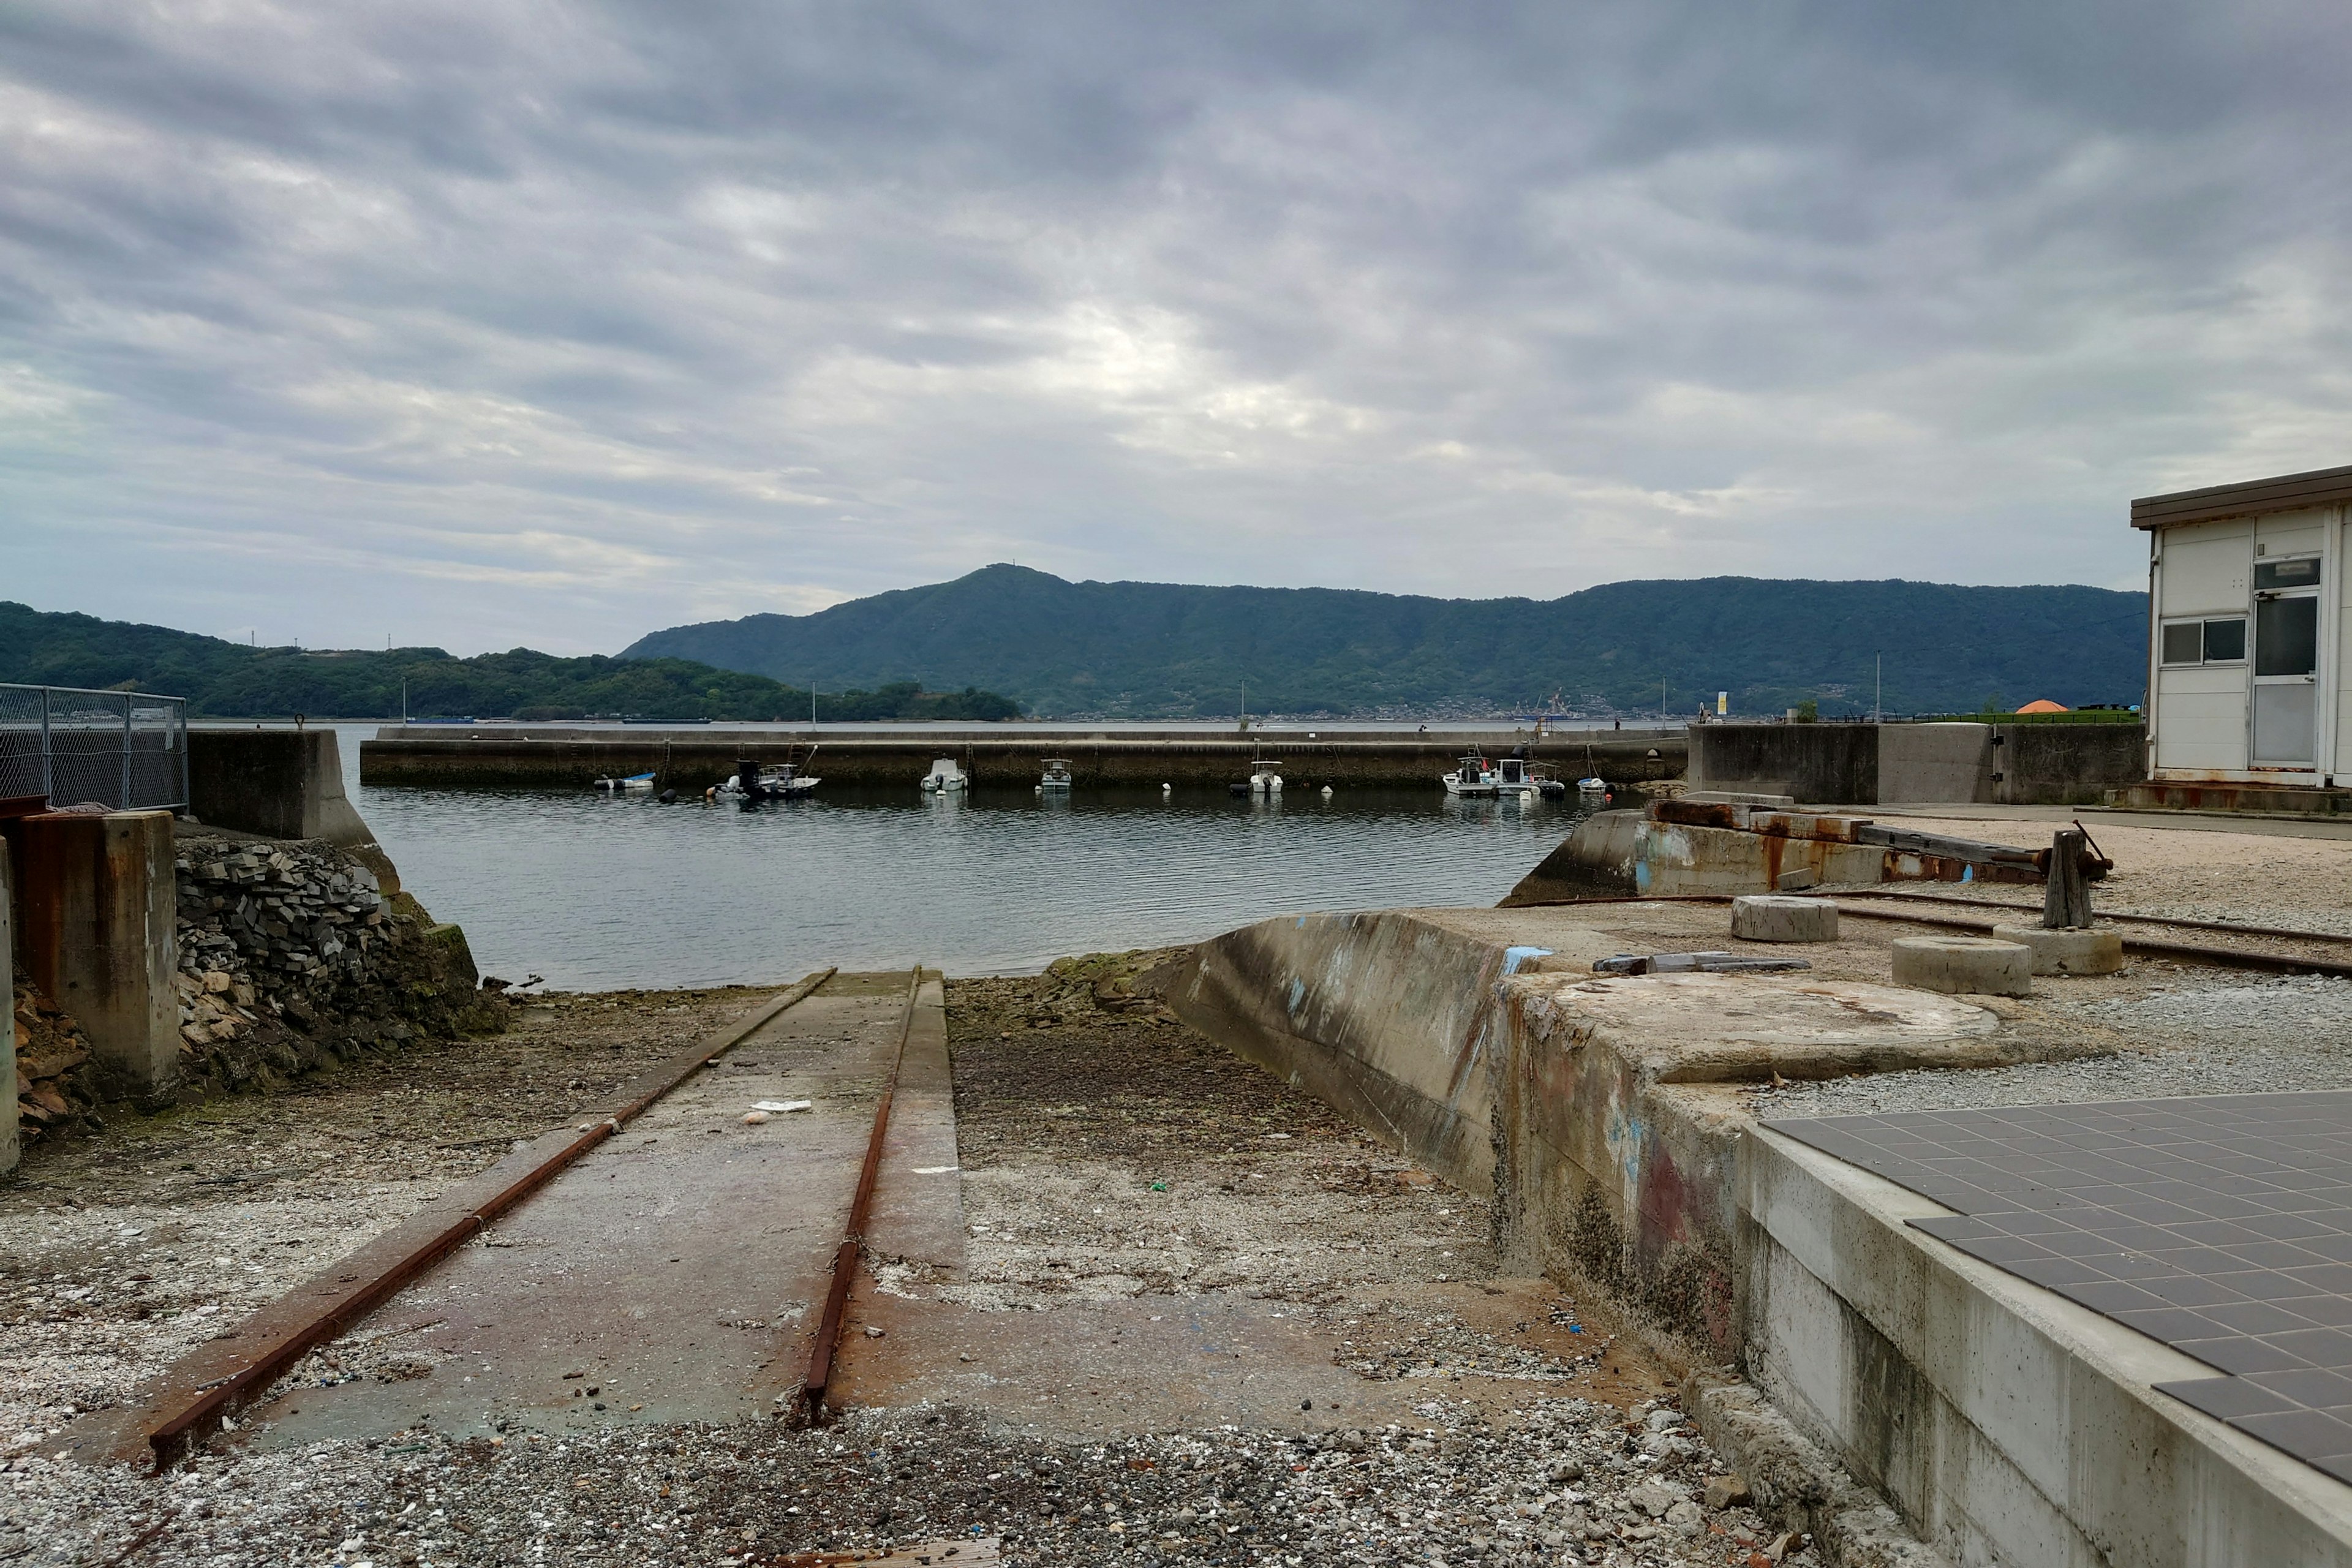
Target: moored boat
[
  {"x": 769, "y": 780},
  {"x": 1057, "y": 774},
  {"x": 627, "y": 781},
  {"x": 1472, "y": 776},
  {"x": 944, "y": 776}
]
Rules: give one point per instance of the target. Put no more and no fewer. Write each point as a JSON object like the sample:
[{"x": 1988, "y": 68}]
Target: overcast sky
[{"x": 491, "y": 322}]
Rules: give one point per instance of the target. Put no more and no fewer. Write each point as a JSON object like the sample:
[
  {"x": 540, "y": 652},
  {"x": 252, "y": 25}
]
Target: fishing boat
[
  {"x": 1592, "y": 786},
  {"x": 944, "y": 776},
  {"x": 628, "y": 782},
  {"x": 1472, "y": 776},
  {"x": 1057, "y": 775},
  {"x": 769, "y": 780},
  {"x": 1513, "y": 777},
  {"x": 1548, "y": 784},
  {"x": 1265, "y": 777}
]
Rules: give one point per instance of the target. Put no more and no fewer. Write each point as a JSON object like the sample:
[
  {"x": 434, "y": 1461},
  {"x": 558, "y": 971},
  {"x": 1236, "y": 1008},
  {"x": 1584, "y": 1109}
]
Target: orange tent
[{"x": 2042, "y": 705}]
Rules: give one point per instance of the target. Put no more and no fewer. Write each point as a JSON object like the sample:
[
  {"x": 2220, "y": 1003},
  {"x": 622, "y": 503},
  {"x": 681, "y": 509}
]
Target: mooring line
[
  {"x": 175, "y": 1433},
  {"x": 815, "y": 1381}
]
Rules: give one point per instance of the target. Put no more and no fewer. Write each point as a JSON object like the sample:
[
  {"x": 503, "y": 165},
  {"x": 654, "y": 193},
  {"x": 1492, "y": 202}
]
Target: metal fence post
[
  {"x": 48, "y": 767},
  {"x": 122, "y": 801}
]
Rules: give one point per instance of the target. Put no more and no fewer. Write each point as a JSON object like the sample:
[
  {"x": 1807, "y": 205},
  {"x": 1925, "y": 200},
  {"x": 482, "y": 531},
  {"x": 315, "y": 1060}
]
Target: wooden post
[{"x": 2066, "y": 898}]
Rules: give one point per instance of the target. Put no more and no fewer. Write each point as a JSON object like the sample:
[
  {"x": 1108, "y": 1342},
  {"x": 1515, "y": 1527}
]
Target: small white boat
[
  {"x": 1548, "y": 784},
  {"x": 945, "y": 776},
  {"x": 1593, "y": 785},
  {"x": 769, "y": 780},
  {"x": 1057, "y": 774},
  {"x": 628, "y": 782},
  {"x": 1265, "y": 777},
  {"x": 1472, "y": 776}
]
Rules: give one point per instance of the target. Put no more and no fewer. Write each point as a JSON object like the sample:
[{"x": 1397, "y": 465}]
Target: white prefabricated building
[{"x": 2247, "y": 677}]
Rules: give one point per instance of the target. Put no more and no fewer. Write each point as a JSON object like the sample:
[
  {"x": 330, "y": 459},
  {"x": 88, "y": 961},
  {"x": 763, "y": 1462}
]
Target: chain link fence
[{"x": 123, "y": 750}]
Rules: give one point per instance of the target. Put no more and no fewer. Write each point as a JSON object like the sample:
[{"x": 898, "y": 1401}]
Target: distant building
[{"x": 2247, "y": 680}]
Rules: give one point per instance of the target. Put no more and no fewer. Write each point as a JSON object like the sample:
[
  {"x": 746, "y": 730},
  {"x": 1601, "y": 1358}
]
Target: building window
[
  {"x": 2300, "y": 573},
  {"x": 2221, "y": 640}
]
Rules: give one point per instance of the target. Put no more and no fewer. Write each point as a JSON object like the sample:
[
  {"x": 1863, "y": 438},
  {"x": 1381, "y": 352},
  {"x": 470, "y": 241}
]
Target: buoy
[
  {"x": 1326, "y": 792},
  {"x": 1167, "y": 789}
]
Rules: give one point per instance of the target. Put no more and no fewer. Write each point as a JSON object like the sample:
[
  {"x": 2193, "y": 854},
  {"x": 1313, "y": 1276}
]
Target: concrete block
[
  {"x": 100, "y": 934},
  {"x": 1964, "y": 964},
  {"x": 1763, "y": 918},
  {"x": 285, "y": 783},
  {"x": 10, "y": 1148},
  {"x": 2078, "y": 952}
]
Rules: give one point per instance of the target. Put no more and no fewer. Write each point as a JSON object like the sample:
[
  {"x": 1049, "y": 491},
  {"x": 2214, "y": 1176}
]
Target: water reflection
[{"x": 596, "y": 891}]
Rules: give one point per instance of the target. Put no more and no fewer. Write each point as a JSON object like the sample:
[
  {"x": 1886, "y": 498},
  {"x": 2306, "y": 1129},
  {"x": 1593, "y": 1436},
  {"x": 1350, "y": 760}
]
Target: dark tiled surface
[{"x": 2220, "y": 1225}]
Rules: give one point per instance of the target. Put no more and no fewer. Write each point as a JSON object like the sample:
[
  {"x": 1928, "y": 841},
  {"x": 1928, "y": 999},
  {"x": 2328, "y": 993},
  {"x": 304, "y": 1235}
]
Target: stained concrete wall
[
  {"x": 283, "y": 783},
  {"x": 1824, "y": 765},
  {"x": 2006, "y": 1425},
  {"x": 11, "y": 1149},
  {"x": 2066, "y": 764},
  {"x": 1864, "y": 765},
  {"x": 98, "y": 931},
  {"x": 1623, "y": 852}
]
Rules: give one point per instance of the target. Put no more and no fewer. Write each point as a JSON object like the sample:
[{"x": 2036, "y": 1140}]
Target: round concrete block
[
  {"x": 1760, "y": 916},
  {"x": 1964, "y": 964},
  {"x": 2090, "y": 951}
]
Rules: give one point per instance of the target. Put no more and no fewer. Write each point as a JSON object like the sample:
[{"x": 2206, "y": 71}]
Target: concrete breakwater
[{"x": 517, "y": 756}]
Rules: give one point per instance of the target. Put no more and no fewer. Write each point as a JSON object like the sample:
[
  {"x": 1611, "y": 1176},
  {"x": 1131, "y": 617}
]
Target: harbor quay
[{"x": 692, "y": 758}]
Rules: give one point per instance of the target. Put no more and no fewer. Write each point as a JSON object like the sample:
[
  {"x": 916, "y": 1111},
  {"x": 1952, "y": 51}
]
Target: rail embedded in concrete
[
  {"x": 290, "y": 1328},
  {"x": 818, "y": 1379}
]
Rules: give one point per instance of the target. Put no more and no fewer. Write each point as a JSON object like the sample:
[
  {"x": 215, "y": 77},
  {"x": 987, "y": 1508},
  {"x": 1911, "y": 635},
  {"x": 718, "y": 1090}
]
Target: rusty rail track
[
  {"x": 411, "y": 1249},
  {"x": 818, "y": 1378}
]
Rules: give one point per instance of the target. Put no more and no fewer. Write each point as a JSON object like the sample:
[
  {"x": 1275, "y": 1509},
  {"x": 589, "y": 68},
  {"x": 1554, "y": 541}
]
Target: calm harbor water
[{"x": 596, "y": 892}]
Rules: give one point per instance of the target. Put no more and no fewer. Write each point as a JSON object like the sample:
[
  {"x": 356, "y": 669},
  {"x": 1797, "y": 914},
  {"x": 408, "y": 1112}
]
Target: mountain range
[
  {"x": 1168, "y": 650},
  {"x": 226, "y": 679}
]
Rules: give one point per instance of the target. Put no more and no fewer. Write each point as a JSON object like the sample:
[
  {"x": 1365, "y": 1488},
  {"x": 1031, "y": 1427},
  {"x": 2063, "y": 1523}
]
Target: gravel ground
[
  {"x": 1568, "y": 1481},
  {"x": 2255, "y": 879},
  {"x": 2196, "y": 1030},
  {"x": 132, "y": 1245}
]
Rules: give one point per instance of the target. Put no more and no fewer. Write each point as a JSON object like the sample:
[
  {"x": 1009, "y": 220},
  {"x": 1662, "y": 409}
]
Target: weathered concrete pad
[
  {"x": 2073, "y": 952},
  {"x": 1761, "y": 916},
  {"x": 2008, "y": 1425},
  {"x": 1972, "y": 965},
  {"x": 1479, "y": 1042}
]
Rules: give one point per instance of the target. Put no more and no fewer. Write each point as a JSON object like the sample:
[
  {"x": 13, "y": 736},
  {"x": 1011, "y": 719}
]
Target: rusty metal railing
[{"x": 127, "y": 750}]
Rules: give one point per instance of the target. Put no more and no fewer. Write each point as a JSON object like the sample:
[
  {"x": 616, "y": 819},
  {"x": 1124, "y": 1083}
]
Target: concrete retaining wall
[
  {"x": 504, "y": 758},
  {"x": 282, "y": 784},
  {"x": 10, "y": 1147},
  {"x": 2006, "y": 1425},
  {"x": 2003, "y": 1424},
  {"x": 98, "y": 933},
  {"x": 1868, "y": 765}
]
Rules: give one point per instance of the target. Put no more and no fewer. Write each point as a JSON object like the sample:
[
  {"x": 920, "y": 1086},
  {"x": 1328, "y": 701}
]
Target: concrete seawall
[
  {"x": 1872, "y": 765},
  {"x": 512, "y": 756}
]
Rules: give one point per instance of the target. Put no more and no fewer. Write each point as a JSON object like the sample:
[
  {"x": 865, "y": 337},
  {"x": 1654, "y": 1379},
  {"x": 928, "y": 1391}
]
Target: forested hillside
[
  {"x": 226, "y": 679},
  {"x": 1155, "y": 649}
]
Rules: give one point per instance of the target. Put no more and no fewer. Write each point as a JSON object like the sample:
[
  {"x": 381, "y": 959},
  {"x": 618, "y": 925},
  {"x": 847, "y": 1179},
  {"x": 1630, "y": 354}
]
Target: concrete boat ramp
[
  {"x": 2118, "y": 1334},
  {"x": 2069, "y": 1333}
]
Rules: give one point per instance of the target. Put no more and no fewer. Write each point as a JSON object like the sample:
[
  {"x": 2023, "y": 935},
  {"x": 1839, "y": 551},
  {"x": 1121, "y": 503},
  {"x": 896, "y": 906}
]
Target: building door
[{"x": 2286, "y": 663}]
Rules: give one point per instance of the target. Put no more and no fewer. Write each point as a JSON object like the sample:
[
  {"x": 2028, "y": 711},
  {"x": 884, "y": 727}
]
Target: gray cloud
[{"x": 504, "y": 322}]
